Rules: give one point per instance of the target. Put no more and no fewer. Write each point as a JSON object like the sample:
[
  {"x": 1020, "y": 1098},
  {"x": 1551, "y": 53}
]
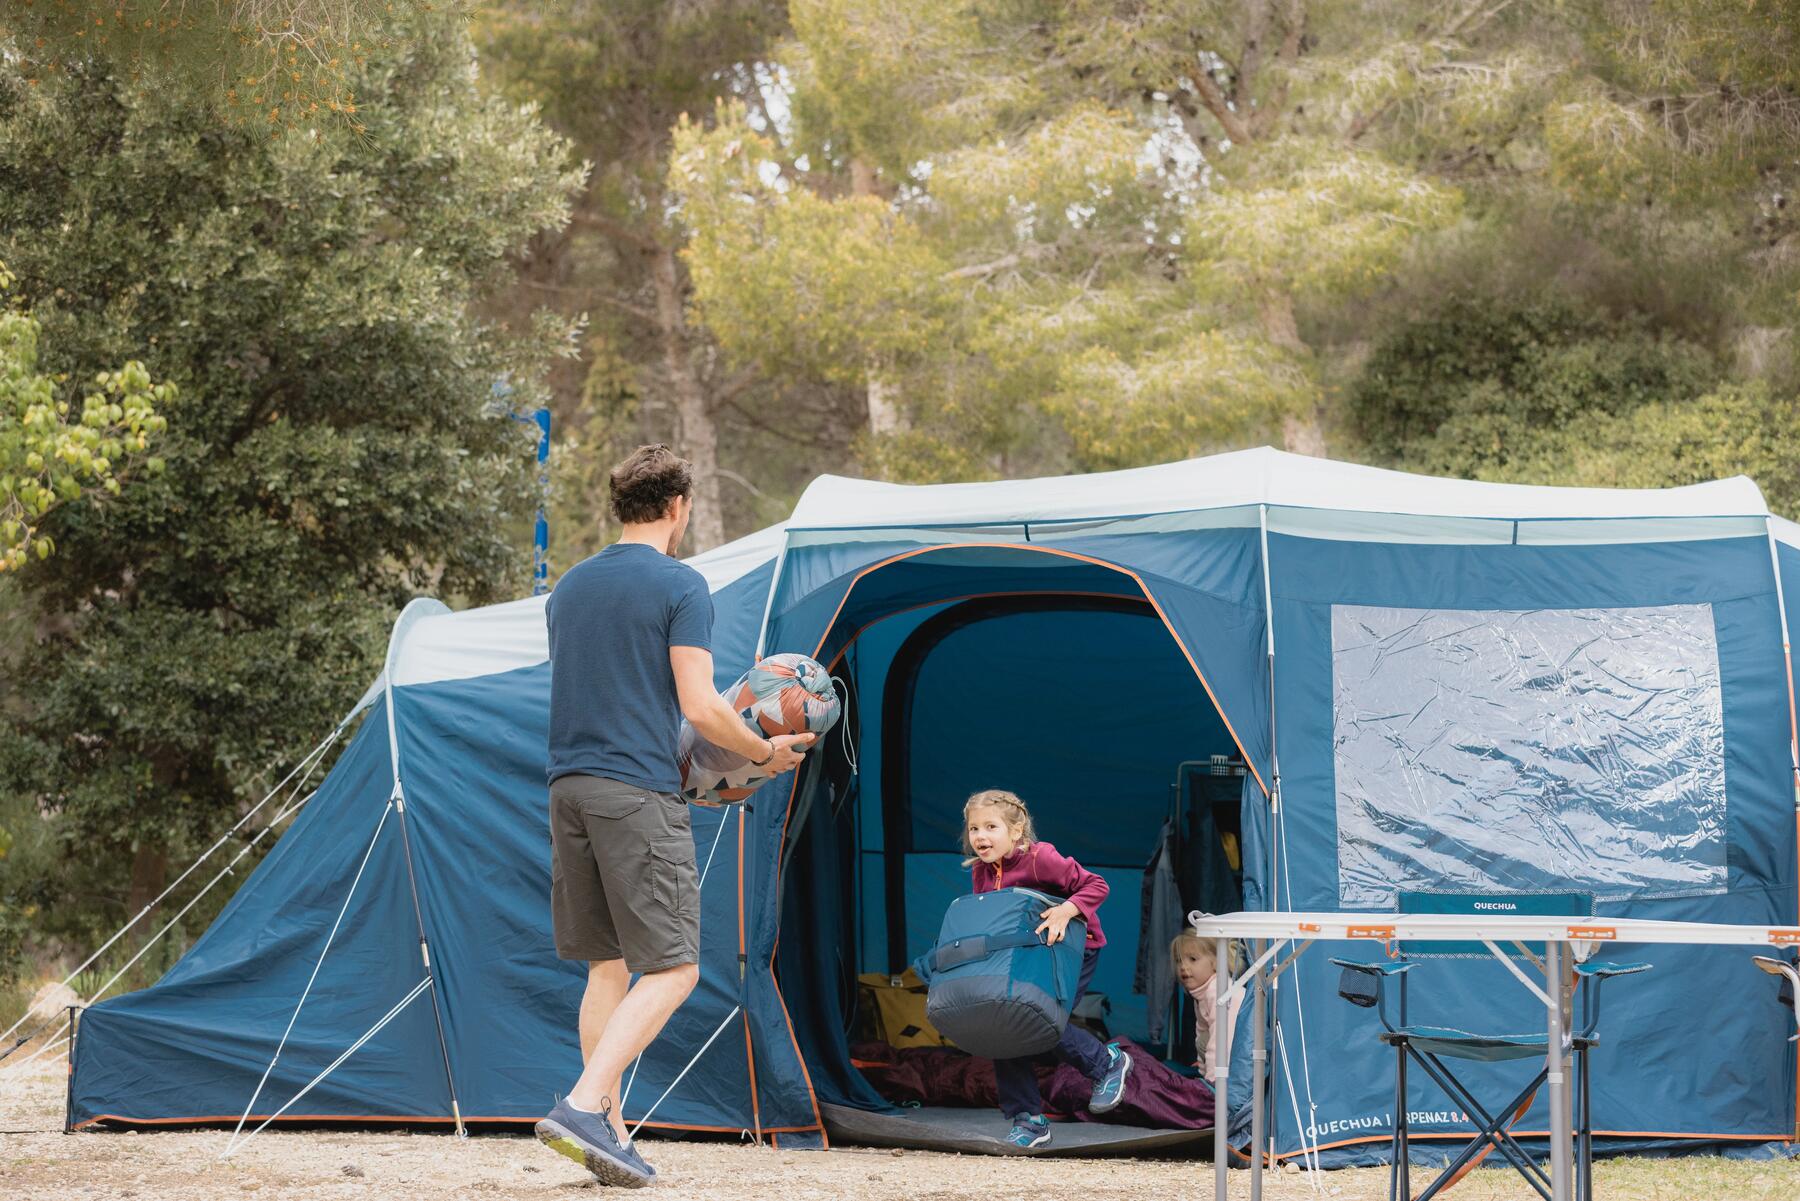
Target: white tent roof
[
  {"x": 1248, "y": 478},
  {"x": 431, "y": 643}
]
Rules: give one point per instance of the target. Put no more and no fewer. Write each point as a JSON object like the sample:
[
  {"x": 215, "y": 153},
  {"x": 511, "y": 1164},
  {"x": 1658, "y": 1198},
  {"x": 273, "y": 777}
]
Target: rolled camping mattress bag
[
  {"x": 993, "y": 987},
  {"x": 782, "y": 694}
]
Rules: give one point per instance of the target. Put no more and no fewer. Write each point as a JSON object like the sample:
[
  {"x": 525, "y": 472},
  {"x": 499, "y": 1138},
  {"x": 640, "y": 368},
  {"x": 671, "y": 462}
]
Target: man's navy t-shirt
[{"x": 613, "y": 707}]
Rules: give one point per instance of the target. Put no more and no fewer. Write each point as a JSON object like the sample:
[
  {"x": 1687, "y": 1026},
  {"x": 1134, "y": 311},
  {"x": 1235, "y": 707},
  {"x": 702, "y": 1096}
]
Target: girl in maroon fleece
[{"x": 1004, "y": 852}]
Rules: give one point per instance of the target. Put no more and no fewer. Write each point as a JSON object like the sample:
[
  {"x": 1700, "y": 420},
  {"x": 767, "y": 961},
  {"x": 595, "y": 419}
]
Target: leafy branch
[{"x": 49, "y": 454}]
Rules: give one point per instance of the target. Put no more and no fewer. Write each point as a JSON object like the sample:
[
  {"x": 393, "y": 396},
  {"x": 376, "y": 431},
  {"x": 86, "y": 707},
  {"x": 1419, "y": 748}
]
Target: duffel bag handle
[{"x": 959, "y": 951}]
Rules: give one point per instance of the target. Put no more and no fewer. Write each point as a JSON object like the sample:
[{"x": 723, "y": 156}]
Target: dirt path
[{"x": 38, "y": 1161}]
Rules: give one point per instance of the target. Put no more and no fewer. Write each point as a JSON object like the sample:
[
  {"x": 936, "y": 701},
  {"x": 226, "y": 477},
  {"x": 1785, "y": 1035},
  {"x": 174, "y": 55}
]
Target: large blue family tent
[{"x": 1321, "y": 684}]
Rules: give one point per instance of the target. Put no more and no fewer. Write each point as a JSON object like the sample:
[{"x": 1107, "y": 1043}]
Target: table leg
[
  {"x": 1259, "y": 1057},
  {"x": 1221, "y": 1071},
  {"x": 1561, "y": 1139}
]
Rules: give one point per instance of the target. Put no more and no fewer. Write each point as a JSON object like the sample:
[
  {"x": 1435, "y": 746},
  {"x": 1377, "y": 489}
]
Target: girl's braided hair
[{"x": 1012, "y": 811}]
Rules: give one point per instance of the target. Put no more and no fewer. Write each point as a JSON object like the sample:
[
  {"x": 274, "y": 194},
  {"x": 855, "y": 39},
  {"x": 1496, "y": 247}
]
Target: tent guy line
[
  {"x": 169, "y": 925},
  {"x": 310, "y": 980},
  {"x": 308, "y": 763},
  {"x": 331, "y": 1067},
  {"x": 625, "y": 1093}
]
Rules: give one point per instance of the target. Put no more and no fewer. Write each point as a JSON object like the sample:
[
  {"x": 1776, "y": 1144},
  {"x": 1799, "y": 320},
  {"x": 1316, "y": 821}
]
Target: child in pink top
[
  {"x": 1196, "y": 967},
  {"x": 1004, "y": 852}
]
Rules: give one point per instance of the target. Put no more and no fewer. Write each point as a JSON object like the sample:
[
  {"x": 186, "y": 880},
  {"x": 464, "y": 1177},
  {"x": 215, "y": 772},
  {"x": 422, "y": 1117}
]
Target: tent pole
[
  {"x": 437, "y": 1013},
  {"x": 1274, "y": 756},
  {"x": 1787, "y": 658},
  {"x": 744, "y": 982},
  {"x": 69, "y": 1078},
  {"x": 1271, "y": 1014},
  {"x": 413, "y": 883},
  {"x": 762, "y": 631}
]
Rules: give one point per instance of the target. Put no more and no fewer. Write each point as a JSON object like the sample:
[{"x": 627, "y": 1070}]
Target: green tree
[
  {"x": 50, "y": 453},
  {"x": 338, "y": 446},
  {"x": 615, "y": 78},
  {"x": 1548, "y": 395},
  {"x": 1619, "y": 310},
  {"x": 1051, "y": 235},
  {"x": 273, "y": 65},
  {"x": 1100, "y": 233}
]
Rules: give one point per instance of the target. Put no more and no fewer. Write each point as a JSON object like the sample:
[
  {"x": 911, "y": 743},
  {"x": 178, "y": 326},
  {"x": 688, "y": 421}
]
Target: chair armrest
[
  {"x": 1389, "y": 968},
  {"x": 1788, "y": 973},
  {"x": 1601, "y": 970},
  {"x": 1361, "y": 983}
]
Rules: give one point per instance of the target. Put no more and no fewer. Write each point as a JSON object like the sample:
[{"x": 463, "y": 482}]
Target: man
[{"x": 630, "y": 655}]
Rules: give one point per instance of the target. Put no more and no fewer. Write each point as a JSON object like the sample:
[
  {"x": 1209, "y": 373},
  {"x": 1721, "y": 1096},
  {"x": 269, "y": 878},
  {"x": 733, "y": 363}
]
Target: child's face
[
  {"x": 989, "y": 836},
  {"x": 1193, "y": 968}
]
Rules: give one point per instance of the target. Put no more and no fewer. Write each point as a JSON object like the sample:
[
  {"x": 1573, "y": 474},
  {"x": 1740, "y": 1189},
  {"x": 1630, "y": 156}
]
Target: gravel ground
[{"x": 38, "y": 1161}]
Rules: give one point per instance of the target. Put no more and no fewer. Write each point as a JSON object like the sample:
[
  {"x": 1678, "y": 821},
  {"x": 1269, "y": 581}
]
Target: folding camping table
[{"x": 1567, "y": 940}]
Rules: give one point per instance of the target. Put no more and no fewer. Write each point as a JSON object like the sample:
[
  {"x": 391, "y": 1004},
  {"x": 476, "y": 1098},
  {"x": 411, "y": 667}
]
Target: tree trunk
[
  {"x": 546, "y": 270},
  {"x": 1302, "y": 435},
  {"x": 862, "y": 177},
  {"x": 1279, "y": 326},
  {"x": 882, "y": 394},
  {"x": 1301, "y": 432},
  {"x": 884, "y": 403},
  {"x": 698, "y": 437}
]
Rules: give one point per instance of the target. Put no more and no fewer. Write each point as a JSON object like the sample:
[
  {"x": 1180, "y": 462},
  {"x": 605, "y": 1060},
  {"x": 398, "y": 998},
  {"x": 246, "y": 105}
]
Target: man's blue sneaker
[
  {"x": 590, "y": 1140},
  {"x": 1029, "y": 1130},
  {"x": 1109, "y": 1090}
]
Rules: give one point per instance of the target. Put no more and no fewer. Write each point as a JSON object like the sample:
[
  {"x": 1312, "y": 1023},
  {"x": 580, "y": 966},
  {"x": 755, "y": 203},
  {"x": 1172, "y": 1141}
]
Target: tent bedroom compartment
[{"x": 1475, "y": 686}]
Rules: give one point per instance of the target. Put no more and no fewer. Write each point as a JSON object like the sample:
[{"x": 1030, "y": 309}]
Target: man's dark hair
[{"x": 647, "y": 481}]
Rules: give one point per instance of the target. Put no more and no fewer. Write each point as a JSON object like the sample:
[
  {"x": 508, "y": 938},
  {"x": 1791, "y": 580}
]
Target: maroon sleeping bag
[{"x": 1155, "y": 1094}]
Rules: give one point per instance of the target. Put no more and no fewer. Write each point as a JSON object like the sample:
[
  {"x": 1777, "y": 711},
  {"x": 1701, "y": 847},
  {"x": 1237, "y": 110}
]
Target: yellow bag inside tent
[{"x": 898, "y": 1006}]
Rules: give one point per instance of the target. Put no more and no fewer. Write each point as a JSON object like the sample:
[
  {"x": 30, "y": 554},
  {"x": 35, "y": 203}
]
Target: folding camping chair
[{"x": 1363, "y": 984}]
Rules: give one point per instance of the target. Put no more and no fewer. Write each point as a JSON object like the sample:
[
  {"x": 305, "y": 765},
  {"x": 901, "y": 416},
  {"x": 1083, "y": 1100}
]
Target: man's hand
[
  {"x": 789, "y": 750},
  {"x": 1056, "y": 922}
]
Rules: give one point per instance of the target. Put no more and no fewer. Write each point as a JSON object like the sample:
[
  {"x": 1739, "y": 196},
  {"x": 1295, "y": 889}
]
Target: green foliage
[
  {"x": 337, "y": 448},
  {"x": 269, "y": 65},
  {"x": 1731, "y": 430},
  {"x": 49, "y": 455},
  {"x": 1058, "y": 236},
  {"x": 616, "y": 79},
  {"x": 1454, "y": 393},
  {"x": 792, "y": 280},
  {"x": 1114, "y": 407},
  {"x": 1546, "y": 395},
  {"x": 995, "y": 237},
  {"x": 1317, "y": 222}
]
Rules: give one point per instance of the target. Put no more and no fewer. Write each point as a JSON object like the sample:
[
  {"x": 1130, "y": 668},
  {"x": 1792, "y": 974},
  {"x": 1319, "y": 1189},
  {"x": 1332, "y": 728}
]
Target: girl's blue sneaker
[
  {"x": 1109, "y": 1090},
  {"x": 1029, "y": 1130}
]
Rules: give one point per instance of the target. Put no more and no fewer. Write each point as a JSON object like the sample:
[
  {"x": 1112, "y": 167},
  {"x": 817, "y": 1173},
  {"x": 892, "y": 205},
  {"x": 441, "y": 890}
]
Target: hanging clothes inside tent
[{"x": 1159, "y": 921}]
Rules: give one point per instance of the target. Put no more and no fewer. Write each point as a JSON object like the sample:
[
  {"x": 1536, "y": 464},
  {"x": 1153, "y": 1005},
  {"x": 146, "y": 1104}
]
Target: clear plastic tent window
[{"x": 1509, "y": 751}]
